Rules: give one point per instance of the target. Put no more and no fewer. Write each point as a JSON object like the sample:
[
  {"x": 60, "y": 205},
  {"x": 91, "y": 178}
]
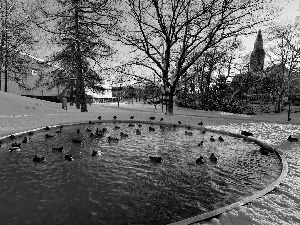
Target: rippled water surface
[{"x": 121, "y": 186}]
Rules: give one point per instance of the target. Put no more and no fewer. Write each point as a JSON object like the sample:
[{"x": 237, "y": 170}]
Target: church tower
[{"x": 257, "y": 57}]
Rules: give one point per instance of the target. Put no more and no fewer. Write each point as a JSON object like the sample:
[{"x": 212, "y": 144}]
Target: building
[{"x": 258, "y": 54}]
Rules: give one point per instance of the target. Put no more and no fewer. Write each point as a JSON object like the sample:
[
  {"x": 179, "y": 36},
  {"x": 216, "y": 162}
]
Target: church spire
[{"x": 257, "y": 57}]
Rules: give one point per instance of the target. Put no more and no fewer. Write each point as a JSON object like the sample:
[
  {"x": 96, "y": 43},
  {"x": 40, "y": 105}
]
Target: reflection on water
[
  {"x": 122, "y": 186},
  {"x": 280, "y": 206}
]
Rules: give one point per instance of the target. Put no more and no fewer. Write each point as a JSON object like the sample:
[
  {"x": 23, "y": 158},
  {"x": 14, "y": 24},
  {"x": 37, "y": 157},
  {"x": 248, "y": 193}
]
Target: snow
[{"x": 19, "y": 114}]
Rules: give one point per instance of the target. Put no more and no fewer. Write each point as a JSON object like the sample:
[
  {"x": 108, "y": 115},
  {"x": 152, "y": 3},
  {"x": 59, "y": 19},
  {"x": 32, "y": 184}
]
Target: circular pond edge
[{"x": 212, "y": 213}]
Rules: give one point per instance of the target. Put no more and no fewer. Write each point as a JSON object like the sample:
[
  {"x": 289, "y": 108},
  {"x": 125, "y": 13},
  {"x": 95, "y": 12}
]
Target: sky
[{"x": 290, "y": 11}]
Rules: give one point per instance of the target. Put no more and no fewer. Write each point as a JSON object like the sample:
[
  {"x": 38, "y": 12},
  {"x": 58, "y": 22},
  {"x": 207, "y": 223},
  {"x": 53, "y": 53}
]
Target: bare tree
[
  {"x": 284, "y": 55},
  {"x": 169, "y": 36},
  {"x": 17, "y": 37}
]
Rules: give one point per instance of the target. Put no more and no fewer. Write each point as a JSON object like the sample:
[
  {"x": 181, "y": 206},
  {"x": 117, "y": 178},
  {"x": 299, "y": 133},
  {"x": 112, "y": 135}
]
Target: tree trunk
[{"x": 170, "y": 104}]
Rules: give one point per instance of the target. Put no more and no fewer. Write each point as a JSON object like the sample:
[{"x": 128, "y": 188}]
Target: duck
[
  {"x": 58, "y": 149},
  {"x": 161, "y": 119},
  {"x": 264, "y": 150},
  {"x": 179, "y": 122},
  {"x": 246, "y": 133},
  {"x": 221, "y": 139},
  {"x": 131, "y": 125},
  {"x": 200, "y": 144},
  {"x": 38, "y": 158},
  {"x": 114, "y": 117},
  {"x": 90, "y": 122},
  {"x": 49, "y": 135},
  {"x": 140, "y": 125},
  {"x": 151, "y": 129},
  {"x": 152, "y": 118},
  {"x": 213, "y": 157},
  {"x": 155, "y": 159},
  {"x": 78, "y": 131},
  {"x": 117, "y": 127},
  {"x": 76, "y": 140},
  {"x": 12, "y": 136},
  {"x": 26, "y": 139},
  {"x": 123, "y": 135},
  {"x": 132, "y": 117},
  {"x": 188, "y": 127},
  {"x": 200, "y": 124},
  {"x": 99, "y": 117},
  {"x": 188, "y": 133},
  {"x": 203, "y": 131},
  {"x": 15, "y": 149},
  {"x": 112, "y": 140},
  {"x": 212, "y": 138},
  {"x": 69, "y": 157},
  {"x": 15, "y": 144},
  {"x": 88, "y": 129},
  {"x": 292, "y": 139},
  {"x": 58, "y": 131},
  {"x": 30, "y": 133},
  {"x": 95, "y": 153},
  {"x": 47, "y": 128},
  {"x": 200, "y": 160},
  {"x": 138, "y": 132}
]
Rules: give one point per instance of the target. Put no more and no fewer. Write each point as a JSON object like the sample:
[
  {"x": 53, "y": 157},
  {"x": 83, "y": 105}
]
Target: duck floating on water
[
  {"x": 58, "y": 149},
  {"x": 12, "y": 136},
  {"x": 132, "y": 117},
  {"x": 69, "y": 157},
  {"x": 188, "y": 133},
  {"x": 152, "y": 118},
  {"x": 49, "y": 135},
  {"x": 200, "y": 124},
  {"x": 14, "y": 149},
  {"x": 212, "y": 138},
  {"x": 221, "y": 139},
  {"x": 200, "y": 160},
  {"x": 161, "y": 119},
  {"x": 179, "y": 122},
  {"x": 99, "y": 117},
  {"x": 30, "y": 133},
  {"x": 114, "y": 117},
  {"x": 74, "y": 140},
  {"x": 78, "y": 131},
  {"x": 58, "y": 131},
  {"x": 292, "y": 139},
  {"x": 112, "y": 140},
  {"x": 47, "y": 128},
  {"x": 203, "y": 131},
  {"x": 138, "y": 132},
  {"x": 155, "y": 159},
  {"x": 264, "y": 150},
  {"x": 38, "y": 158},
  {"x": 123, "y": 135},
  {"x": 151, "y": 129},
  {"x": 90, "y": 122},
  {"x": 200, "y": 144},
  {"x": 140, "y": 125},
  {"x": 95, "y": 153},
  {"x": 15, "y": 144},
  {"x": 246, "y": 133},
  {"x": 213, "y": 157},
  {"x": 26, "y": 140}
]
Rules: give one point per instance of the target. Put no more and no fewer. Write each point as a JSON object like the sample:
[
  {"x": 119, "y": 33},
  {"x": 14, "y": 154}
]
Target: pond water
[{"x": 121, "y": 185}]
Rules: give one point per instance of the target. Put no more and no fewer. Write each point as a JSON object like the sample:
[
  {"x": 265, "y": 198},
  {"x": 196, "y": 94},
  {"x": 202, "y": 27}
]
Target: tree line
[{"x": 189, "y": 48}]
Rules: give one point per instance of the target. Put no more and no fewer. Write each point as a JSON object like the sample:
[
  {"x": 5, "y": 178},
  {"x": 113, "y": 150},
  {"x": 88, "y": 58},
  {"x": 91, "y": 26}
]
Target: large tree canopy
[{"x": 169, "y": 36}]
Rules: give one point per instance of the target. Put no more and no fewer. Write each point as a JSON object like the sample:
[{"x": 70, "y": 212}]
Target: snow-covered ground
[{"x": 279, "y": 207}]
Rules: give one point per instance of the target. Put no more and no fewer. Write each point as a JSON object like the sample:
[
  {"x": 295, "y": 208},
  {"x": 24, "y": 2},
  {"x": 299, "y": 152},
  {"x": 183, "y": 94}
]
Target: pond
[{"x": 121, "y": 185}]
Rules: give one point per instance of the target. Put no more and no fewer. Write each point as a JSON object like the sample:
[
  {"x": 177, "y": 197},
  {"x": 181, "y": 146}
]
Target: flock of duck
[{"x": 101, "y": 133}]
